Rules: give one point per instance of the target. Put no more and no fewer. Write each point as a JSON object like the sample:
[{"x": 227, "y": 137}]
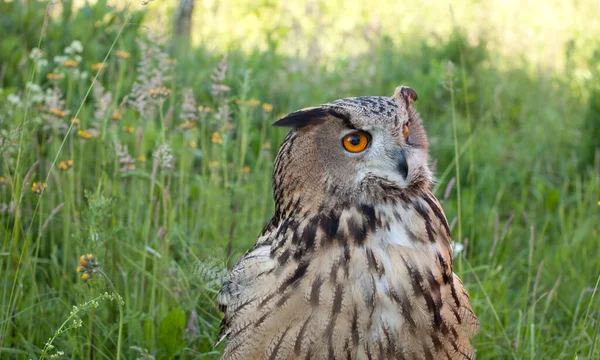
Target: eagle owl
[{"x": 356, "y": 261}]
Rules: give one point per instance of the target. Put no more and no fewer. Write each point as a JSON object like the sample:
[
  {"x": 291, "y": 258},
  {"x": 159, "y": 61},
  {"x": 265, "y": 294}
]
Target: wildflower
[
  {"x": 191, "y": 144},
  {"x": 246, "y": 169},
  {"x": 70, "y": 63},
  {"x": 164, "y": 155},
  {"x": 141, "y": 158},
  {"x": 102, "y": 101},
  {"x": 214, "y": 164},
  {"x": 84, "y": 134},
  {"x": 116, "y": 115},
  {"x": 187, "y": 125},
  {"x": 57, "y": 112},
  {"x": 38, "y": 187},
  {"x": 65, "y": 165},
  {"x": 457, "y": 248},
  {"x": 54, "y": 76},
  {"x": 128, "y": 129},
  {"x": 36, "y": 53},
  {"x": 172, "y": 61},
  {"x": 126, "y": 162},
  {"x": 75, "y": 122},
  {"x": 267, "y": 107},
  {"x": 267, "y": 145},
  {"x": 14, "y": 99},
  {"x": 216, "y": 138},
  {"x": 75, "y": 47},
  {"x": 253, "y": 103},
  {"x": 88, "y": 265},
  {"x": 161, "y": 93},
  {"x": 98, "y": 66},
  {"x": 2, "y": 180},
  {"x": 218, "y": 77},
  {"x": 122, "y": 54}
]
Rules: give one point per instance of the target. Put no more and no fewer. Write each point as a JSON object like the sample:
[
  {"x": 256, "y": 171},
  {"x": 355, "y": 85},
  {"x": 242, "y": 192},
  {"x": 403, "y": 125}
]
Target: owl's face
[{"x": 341, "y": 149}]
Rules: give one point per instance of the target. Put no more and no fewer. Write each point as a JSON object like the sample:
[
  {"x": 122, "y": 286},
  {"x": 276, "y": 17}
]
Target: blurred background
[{"x": 136, "y": 156}]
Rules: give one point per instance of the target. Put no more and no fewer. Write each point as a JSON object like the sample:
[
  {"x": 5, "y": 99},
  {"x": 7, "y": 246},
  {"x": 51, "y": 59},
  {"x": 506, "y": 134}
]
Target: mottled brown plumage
[{"x": 356, "y": 261}]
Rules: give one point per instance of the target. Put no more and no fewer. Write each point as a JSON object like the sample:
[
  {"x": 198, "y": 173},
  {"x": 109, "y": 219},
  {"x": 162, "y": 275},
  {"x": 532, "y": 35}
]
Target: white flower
[
  {"x": 35, "y": 53},
  {"x": 457, "y": 248},
  {"x": 60, "y": 59},
  {"x": 84, "y": 75},
  {"x": 77, "y": 58},
  {"x": 14, "y": 99},
  {"x": 76, "y": 46},
  {"x": 33, "y": 87},
  {"x": 42, "y": 63}
]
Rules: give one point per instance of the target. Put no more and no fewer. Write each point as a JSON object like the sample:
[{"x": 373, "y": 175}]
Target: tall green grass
[{"x": 165, "y": 196}]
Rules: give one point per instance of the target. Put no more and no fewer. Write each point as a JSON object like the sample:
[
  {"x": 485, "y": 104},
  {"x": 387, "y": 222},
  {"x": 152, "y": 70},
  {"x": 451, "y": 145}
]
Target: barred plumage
[{"x": 356, "y": 261}]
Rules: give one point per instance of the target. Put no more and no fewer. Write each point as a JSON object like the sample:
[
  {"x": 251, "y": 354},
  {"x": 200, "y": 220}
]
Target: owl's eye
[
  {"x": 356, "y": 142},
  {"x": 405, "y": 131}
]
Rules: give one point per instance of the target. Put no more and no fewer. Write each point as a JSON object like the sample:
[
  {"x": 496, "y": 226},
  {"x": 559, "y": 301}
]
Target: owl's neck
[{"x": 411, "y": 222}]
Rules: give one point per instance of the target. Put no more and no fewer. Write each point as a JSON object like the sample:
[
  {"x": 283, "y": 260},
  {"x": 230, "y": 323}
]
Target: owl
[{"x": 356, "y": 261}]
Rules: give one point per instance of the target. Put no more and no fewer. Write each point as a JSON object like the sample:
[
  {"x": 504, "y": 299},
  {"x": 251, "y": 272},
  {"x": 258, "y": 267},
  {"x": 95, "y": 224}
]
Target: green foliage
[
  {"x": 171, "y": 161},
  {"x": 170, "y": 334}
]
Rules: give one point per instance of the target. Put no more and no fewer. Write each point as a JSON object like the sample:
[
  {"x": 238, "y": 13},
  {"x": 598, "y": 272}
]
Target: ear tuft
[
  {"x": 407, "y": 94},
  {"x": 302, "y": 117}
]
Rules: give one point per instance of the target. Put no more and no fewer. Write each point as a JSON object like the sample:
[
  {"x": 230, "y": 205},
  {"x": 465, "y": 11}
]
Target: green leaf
[{"x": 170, "y": 334}]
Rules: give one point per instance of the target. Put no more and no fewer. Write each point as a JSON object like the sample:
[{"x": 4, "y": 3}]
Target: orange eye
[
  {"x": 405, "y": 131},
  {"x": 355, "y": 142}
]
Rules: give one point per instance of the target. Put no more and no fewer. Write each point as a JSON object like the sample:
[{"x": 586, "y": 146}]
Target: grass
[{"x": 166, "y": 190}]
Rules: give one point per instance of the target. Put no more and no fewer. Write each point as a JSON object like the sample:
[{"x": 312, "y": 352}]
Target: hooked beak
[{"x": 401, "y": 164}]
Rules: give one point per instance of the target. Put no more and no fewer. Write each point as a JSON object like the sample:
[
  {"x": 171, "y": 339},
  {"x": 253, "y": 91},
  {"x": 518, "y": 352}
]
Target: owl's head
[{"x": 350, "y": 150}]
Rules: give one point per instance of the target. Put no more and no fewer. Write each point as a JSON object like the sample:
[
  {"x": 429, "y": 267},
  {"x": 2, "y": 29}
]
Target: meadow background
[{"x": 152, "y": 152}]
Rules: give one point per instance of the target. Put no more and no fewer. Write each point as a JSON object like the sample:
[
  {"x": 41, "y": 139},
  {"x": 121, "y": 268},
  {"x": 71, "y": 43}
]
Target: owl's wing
[{"x": 238, "y": 289}]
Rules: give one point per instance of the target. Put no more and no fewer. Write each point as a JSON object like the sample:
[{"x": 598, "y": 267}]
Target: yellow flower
[
  {"x": 84, "y": 134},
  {"x": 129, "y": 129},
  {"x": 253, "y": 103},
  {"x": 214, "y": 164},
  {"x": 79, "y": 269},
  {"x": 141, "y": 159},
  {"x": 192, "y": 144},
  {"x": 122, "y": 54},
  {"x": 2, "y": 179},
  {"x": 116, "y": 115},
  {"x": 65, "y": 165},
  {"x": 246, "y": 169},
  {"x": 70, "y": 63},
  {"x": 38, "y": 187},
  {"x": 54, "y": 76},
  {"x": 267, "y": 145},
  {"x": 161, "y": 93},
  {"x": 216, "y": 138},
  {"x": 267, "y": 107},
  {"x": 75, "y": 121},
  {"x": 57, "y": 112},
  {"x": 98, "y": 66},
  {"x": 187, "y": 125},
  {"x": 86, "y": 276}
]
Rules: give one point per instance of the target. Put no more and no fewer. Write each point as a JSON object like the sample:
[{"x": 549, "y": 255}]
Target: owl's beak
[{"x": 401, "y": 164}]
